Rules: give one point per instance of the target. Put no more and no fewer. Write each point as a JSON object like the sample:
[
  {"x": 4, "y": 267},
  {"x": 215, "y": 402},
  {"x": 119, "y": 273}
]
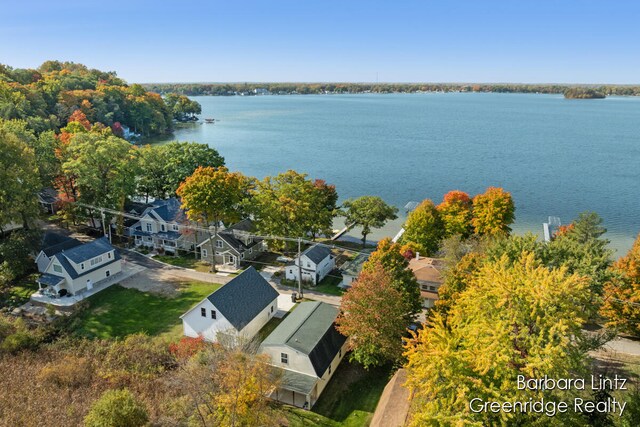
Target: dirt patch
[{"x": 155, "y": 281}]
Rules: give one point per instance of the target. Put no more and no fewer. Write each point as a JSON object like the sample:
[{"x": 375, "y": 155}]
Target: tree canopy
[
  {"x": 424, "y": 228},
  {"x": 493, "y": 212},
  {"x": 367, "y": 212}
]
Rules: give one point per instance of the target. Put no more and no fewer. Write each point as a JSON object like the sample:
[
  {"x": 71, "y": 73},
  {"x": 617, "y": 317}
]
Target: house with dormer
[
  {"x": 162, "y": 227},
  {"x": 238, "y": 309},
  {"x": 315, "y": 263},
  {"x": 233, "y": 246},
  {"x": 308, "y": 348},
  {"x": 70, "y": 267}
]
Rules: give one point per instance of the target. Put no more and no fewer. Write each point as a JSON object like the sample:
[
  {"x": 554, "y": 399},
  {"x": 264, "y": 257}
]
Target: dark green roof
[{"x": 310, "y": 329}]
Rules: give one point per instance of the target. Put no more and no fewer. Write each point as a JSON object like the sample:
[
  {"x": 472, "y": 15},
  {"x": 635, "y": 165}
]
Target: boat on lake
[{"x": 209, "y": 120}]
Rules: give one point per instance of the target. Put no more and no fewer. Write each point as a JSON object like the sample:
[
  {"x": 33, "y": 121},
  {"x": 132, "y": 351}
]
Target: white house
[
  {"x": 70, "y": 267},
  {"x": 317, "y": 261},
  {"x": 308, "y": 348},
  {"x": 238, "y": 309}
]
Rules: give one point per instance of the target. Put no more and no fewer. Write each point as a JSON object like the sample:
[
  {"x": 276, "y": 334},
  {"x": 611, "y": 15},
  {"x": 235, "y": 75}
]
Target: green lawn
[
  {"x": 352, "y": 395},
  {"x": 117, "y": 311},
  {"x": 185, "y": 261},
  {"x": 329, "y": 285},
  {"x": 19, "y": 293}
]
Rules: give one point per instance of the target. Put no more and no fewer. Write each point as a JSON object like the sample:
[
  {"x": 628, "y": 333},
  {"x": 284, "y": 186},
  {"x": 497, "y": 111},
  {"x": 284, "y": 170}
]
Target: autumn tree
[
  {"x": 367, "y": 212},
  {"x": 424, "y": 228},
  {"x": 456, "y": 213},
  {"x": 372, "y": 315},
  {"x": 513, "y": 319},
  {"x": 621, "y": 306},
  {"x": 493, "y": 212},
  {"x": 212, "y": 196},
  {"x": 291, "y": 205},
  {"x": 388, "y": 255},
  {"x": 228, "y": 388}
]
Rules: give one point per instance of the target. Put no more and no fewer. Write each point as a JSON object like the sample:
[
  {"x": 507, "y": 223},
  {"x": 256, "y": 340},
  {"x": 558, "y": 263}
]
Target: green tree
[
  {"x": 104, "y": 169},
  {"x": 372, "y": 315},
  {"x": 152, "y": 181},
  {"x": 183, "y": 158},
  {"x": 388, "y": 255},
  {"x": 211, "y": 196},
  {"x": 424, "y": 228},
  {"x": 18, "y": 175},
  {"x": 117, "y": 408},
  {"x": 291, "y": 205},
  {"x": 367, "y": 212},
  {"x": 493, "y": 212},
  {"x": 514, "y": 319}
]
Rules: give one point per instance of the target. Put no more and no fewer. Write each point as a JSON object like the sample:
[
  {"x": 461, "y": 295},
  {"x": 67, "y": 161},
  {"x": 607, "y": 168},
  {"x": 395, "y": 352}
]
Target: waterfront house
[
  {"x": 315, "y": 263},
  {"x": 238, "y": 309},
  {"x": 234, "y": 246},
  {"x": 308, "y": 348},
  {"x": 70, "y": 267},
  {"x": 428, "y": 272},
  {"x": 351, "y": 270},
  {"x": 162, "y": 227}
]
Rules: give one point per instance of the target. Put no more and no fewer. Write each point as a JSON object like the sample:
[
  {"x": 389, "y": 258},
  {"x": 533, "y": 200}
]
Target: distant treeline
[
  {"x": 583, "y": 93},
  {"x": 229, "y": 89}
]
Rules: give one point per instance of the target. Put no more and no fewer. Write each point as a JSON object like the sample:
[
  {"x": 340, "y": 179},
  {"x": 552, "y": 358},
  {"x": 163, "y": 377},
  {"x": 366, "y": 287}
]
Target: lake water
[{"x": 557, "y": 157}]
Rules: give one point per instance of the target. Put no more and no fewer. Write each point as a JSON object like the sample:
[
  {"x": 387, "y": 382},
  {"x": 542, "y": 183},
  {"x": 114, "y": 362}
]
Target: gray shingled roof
[
  {"x": 243, "y": 298},
  {"x": 89, "y": 250},
  {"x": 48, "y": 195},
  {"x": 52, "y": 243},
  {"x": 73, "y": 273},
  {"x": 317, "y": 253},
  {"x": 310, "y": 329},
  {"x": 244, "y": 225},
  {"x": 169, "y": 210}
]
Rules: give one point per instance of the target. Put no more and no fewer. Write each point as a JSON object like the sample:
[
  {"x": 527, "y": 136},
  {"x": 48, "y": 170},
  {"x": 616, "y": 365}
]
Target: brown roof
[{"x": 427, "y": 269}]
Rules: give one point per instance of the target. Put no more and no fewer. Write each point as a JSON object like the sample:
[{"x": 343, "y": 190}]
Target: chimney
[{"x": 417, "y": 256}]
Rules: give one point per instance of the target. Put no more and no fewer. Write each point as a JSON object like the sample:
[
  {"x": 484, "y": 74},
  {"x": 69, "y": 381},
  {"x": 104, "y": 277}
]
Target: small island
[{"x": 583, "y": 93}]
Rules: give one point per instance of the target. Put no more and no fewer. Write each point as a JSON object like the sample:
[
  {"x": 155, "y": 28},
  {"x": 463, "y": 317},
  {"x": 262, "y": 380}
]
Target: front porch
[{"x": 296, "y": 389}]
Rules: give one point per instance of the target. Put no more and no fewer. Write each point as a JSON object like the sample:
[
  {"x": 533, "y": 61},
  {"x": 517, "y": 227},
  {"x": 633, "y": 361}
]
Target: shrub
[
  {"x": 70, "y": 371},
  {"x": 116, "y": 408}
]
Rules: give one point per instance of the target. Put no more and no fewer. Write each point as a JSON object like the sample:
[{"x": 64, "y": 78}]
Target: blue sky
[{"x": 563, "y": 41}]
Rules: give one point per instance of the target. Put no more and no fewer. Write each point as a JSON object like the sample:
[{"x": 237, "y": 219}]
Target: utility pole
[
  {"x": 300, "y": 269},
  {"x": 104, "y": 224}
]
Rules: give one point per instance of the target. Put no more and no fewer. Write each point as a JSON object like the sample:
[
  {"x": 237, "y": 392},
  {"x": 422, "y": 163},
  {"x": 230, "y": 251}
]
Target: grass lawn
[
  {"x": 19, "y": 292},
  {"x": 185, "y": 261},
  {"x": 117, "y": 311},
  {"x": 349, "y": 400},
  {"x": 329, "y": 285}
]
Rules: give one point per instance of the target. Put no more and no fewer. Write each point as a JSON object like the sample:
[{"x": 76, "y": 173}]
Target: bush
[
  {"x": 116, "y": 408},
  {"x": 70, "y": 371}
]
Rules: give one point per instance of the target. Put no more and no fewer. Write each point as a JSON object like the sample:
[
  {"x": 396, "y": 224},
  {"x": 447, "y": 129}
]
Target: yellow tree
[
  {"x": 213, "y": 195},
  {"x": 493, "y": 212},
  {"x": 621, "y": 304},
  {"x": 514, "y": 318}
]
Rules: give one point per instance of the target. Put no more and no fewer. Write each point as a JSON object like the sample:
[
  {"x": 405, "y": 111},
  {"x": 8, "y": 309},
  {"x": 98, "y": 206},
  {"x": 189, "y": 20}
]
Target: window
[
  {"x": 219, "y": 244},
  {"x": 242, "y": 255},
  {"x": 203, "y": 312},
  {"x": 176, "y": 227},
  {"x": 57, "y": 268},
  {"x": 82, "y": 266},
  {"x": 162, "y": 227},
  {"x": 107, "y": 273},
  {"x": 96, "y": 260},
  {"x": 329, "y": 369},
  {"x": 308, "y": 264},
  {"x": 149, "y": 227},
  {"x": 205, "y": 253},
  {"x": 213, "y": 314},
  {"x": 340, "y": 353},
  {"x": 284, "y": 358},
  {"x": 250, "y": 250},
  {"x": 109, "y": 255},
  {"x": 272, "y": 309}
]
